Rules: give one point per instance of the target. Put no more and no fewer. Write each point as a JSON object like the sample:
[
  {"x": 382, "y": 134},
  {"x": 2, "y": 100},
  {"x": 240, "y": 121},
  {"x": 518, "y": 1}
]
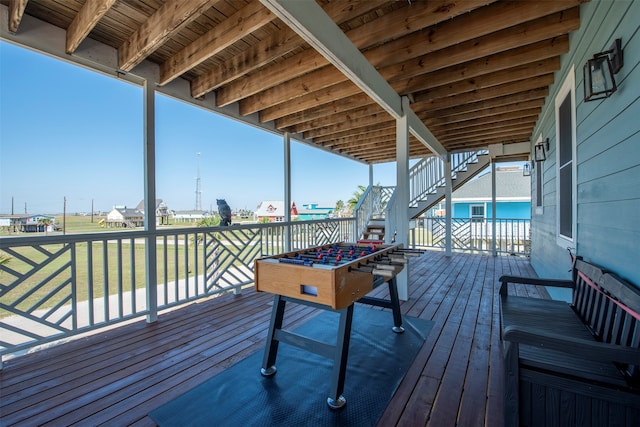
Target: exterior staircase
[
  {"x": 427, "y": 178},
  {"x": 374, "y": 231},
  {"x": 426, "y": 186}
]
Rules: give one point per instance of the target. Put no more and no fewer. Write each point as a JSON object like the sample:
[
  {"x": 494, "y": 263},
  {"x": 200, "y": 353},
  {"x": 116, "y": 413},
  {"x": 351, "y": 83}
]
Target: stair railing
[
  {"x": 428, "y": 174},
  {"x": 372, "y": 204}
]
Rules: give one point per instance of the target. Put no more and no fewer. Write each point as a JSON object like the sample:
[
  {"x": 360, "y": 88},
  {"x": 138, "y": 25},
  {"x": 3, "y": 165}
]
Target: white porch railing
[
  {"x": 428, "y": 174},
  {"x": 57, "y": 286},
  {"x": 512, "y": 235}
]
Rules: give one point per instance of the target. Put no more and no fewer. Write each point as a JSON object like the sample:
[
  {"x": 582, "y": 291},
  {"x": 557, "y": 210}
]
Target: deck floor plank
[{"x": 116, "y": 377}]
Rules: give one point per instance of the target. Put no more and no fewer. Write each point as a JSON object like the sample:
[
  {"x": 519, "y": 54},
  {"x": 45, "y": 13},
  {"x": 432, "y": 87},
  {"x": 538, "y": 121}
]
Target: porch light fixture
[
  {"x": 599, "y": 82},
  {"x": 540, "y": 150},
  {"x": 526, "y": 169}
]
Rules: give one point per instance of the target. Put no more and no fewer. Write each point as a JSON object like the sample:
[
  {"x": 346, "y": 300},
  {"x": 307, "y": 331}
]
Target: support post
[
  {"x": 150, "y": 200},
  {"x": 287, "y": 191},
  {"x": 494, "y": 249},
  {"x": 448, "y": 191},
  {"x": 402, "y": 193}
]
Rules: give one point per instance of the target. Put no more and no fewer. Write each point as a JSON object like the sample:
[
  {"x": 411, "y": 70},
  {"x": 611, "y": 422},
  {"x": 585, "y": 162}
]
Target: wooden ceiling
[{"x": 476, "y": 72}]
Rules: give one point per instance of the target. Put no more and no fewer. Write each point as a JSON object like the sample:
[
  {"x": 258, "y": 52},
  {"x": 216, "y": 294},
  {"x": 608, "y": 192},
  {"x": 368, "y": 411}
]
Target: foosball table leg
[
  {"x": 271, "y": 349},
  {"x": 336, "y": 400},
  {"x": 395, "y": 306}
]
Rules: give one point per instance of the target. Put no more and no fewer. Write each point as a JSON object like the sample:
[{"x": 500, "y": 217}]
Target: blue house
[
  {"x": 311, "y": 211},
  {"x": 513, "y": 196}
]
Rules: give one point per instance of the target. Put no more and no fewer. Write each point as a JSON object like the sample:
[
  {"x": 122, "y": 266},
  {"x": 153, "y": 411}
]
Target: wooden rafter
[
  {"x": 172, "y": 16},
  {"x": 395, "y": 26},
  {"x": 426, "y": 103},
  {"x": 89, "y": 15},
  {"x": 451, "y": 47},
  {"x": 16, "y": 11},
  {"x": 243, "y": 22},
  {"x": 268, "y": 49}
]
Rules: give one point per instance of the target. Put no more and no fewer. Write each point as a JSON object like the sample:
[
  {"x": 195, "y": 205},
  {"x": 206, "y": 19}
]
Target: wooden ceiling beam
[
  {"x": 341, "y": 90},
  {"x": 359, "y": 144},
  {"x": 390, "y": 124},
  {"x": 489, "y": 20},
  {"x": 494, "y": 120},
  {"x": 335, "y": 107},
  {"x": 347, "y": 124},
  {"x": 439, "y": 56},
  {"x": 397, "y": 24},
  {"x": 521, "y": 72},
  {"x": 265, "y": 51},
  {"x": 16, "y": 12},
  {"x": 536, "y": 30},
  {"x": 507, "y": 132},
  {"x": 479, "y": 106},
  {"x": 237, "y": 26},
  {"x": 509, "y": 59},
  {"x": 529, "y": 32},
  {"x": 87, "y": 18},
  {"x": 484, "y": 94},
  {"x": 478, "y": 143},
  {"x": 333, "y": 119},
  {"x": 505, "y": 127},
  {"x": 453, "y": 119},
  {"x": 256, "y": 56},
  {"x": 369, "y": 136},
  {"x": 170, "y": 18}
]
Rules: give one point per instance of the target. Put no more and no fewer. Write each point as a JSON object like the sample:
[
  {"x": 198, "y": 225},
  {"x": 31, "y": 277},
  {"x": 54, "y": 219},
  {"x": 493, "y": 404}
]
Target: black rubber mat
[{"x": 296, "y": 395}]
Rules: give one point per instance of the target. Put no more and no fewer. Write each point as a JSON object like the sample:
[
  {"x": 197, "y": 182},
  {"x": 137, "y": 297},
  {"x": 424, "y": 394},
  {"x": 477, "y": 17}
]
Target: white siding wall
[{"x": 608, "y": 153}]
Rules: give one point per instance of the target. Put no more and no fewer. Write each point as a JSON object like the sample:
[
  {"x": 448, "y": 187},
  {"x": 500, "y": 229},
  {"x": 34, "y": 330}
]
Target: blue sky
[{"x": 69, "y": 132}]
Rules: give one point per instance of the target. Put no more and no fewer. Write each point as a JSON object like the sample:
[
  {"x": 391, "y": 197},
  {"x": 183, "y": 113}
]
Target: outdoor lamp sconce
[
  {"x": 540, "y": 150},
  {"x": 526, "y": 169},
  {"x": 599, "y": 82}
]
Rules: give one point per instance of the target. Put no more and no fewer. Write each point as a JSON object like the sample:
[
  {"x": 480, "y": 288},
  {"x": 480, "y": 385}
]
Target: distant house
[
  {"x": 190, "y": 216},
  {"x": 313, "y": 211},
  {"x": 273, "y": 211},
  {"x": 513, "y": 196},
  {"x": 123, "y": 217},
  {"x": 32, "y": 223},
  {"x": 162, "y": 211}
]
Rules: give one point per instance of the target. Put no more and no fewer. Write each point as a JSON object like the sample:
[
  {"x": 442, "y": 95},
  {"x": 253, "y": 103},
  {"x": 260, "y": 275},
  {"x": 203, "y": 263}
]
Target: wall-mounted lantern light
[
  {"x": 599, "y": 82},
  {"x": 526, "y": 169},
  {"x": 540, "y": 150}
]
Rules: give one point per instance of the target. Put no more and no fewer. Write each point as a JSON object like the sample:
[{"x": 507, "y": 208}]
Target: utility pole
[
  {"x": 198, "y": 189},
  {"x": 64, "y": 216}
]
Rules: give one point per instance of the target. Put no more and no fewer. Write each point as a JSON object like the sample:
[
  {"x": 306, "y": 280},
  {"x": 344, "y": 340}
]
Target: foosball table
[{"x": 331, "y": 277}]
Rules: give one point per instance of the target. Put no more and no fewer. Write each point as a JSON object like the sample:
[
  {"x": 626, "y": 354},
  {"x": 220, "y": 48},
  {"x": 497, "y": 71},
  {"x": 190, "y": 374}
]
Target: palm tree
[
  {"x": 356, "y": 196},
  {"x": 339, "y": 208},
  {"x": 44, "y": 223}
]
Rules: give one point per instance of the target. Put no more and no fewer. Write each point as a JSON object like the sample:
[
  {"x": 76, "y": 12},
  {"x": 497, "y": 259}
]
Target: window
[
  {"x": 477, "y": 212},
  {"x": 565, "y": 160}
]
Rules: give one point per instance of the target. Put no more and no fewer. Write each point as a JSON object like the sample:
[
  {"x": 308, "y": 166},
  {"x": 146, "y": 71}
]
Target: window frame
[
  {"x": 568, "y": 89},
  {"x": 477, "y": 218}
]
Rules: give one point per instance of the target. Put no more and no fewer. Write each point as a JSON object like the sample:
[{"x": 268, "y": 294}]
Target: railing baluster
[{"x": 105, "y": 283}]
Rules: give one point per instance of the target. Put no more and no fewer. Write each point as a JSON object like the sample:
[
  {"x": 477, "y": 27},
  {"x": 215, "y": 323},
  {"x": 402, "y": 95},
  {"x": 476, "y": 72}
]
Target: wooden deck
[{"x": 117, "y": 377}]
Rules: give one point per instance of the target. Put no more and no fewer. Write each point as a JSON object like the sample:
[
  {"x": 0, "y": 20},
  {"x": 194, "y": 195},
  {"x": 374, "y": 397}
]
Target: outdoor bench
[{"x": 572, "y": 363}]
